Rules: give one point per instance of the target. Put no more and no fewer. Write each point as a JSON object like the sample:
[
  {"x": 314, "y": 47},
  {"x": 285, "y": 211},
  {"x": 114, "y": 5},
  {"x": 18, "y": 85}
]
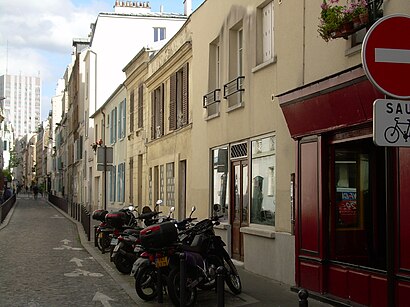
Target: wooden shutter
[
  {"x": 185, "y": 94},
  {"x": 140, "y": 106},
  {"x": 173, "y": 102},
  {"x": 153, "y": 114},
  {"x": 132, "y": 111},
  {"x": 161, "y": 109}
]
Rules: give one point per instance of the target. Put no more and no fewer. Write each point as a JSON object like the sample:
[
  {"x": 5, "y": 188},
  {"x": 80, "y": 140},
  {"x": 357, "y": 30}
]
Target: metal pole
[
  {"x": 220, "y": 285},
  {"x": 303, "y": 298},
  {"x": 105, "y": 177},
  {"x": 389, "y": 233},
  {"x": 159, "y": 286},
  {"x": 182, "y": 280}
]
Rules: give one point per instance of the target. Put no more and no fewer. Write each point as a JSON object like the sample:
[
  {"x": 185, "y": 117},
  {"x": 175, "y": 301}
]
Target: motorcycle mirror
[
  {"x": 159, "y": 202},
  {"x": 171, "y": 211},
  {"x": 192, "y": 211},
  {"x": 131, "y": 208}
]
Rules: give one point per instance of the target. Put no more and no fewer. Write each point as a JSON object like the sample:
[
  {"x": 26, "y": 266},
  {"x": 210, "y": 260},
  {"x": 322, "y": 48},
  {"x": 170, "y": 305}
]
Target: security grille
[{"x": 239, "y": 151}]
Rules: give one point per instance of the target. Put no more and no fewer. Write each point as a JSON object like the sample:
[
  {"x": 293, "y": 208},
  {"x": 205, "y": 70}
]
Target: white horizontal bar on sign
[{"x": 386, "y": 55}]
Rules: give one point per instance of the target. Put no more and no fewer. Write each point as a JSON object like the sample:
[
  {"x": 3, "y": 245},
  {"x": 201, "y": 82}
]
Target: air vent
[{"x": 239, "y": 151}]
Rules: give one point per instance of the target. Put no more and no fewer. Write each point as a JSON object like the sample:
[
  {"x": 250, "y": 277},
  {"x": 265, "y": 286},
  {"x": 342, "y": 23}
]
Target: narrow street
[
  {"x": 44, "y": 264},
  {"x": 46, "y": 261}
]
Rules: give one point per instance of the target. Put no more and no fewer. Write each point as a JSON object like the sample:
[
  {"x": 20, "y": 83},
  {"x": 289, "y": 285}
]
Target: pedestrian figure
[
  {"x": 7, "y": 193},
  {"x": 35, "y": 191}
]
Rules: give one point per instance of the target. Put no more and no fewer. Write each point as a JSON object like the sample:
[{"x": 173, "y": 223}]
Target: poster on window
[{"x": 347, "y": 211}]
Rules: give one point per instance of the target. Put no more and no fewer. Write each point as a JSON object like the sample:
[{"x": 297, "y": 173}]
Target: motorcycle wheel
[
  {"x": 232, "y": 277},
  {"x": 216, "y": 262},
  {"x": 146, "y": 283},
  {"x": 103, "y": 242},
  {"x": 174, "y": 288},
  {"x": 123, "y": 264}
]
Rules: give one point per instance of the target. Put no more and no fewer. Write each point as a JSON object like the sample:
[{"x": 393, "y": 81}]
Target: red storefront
[{"x": 352, "y": 201}]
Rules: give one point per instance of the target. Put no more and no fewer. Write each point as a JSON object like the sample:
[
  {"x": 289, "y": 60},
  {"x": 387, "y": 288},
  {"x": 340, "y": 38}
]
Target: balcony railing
[
  {"x": 234, "y": 86},
  {"x": 211, "y": 98}
]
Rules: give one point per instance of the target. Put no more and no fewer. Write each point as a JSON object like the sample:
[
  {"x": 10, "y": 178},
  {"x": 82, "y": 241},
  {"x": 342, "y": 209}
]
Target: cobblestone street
[{"x": 44, "y": 264}]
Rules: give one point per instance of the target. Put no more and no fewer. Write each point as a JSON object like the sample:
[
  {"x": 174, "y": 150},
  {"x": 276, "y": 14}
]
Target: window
[
  {"x": 121, "y": 120},
  {"x": 132, "y": 111},
  {"x": 121, "y": 183},
  {"x": 267, "y": 32},
  {"x": 157, "y": 116},
  {"x": 357, "y": 218},
  {"x": 113, "y": 126},
  {"x": 159, "y": 34},
  {"x": 113, "y": 174},
  {"x": 161, "y": 182},
  {"x": 140, "y": 106},
  {"x": 220, "y": 179},
  {"x": 263, "y": 197},
  {"x": 233, "y": 90},
  {"x": 212, "y": 99},
  {"x": 170, "y": 201},
  {"x": 178, "y": 106}
]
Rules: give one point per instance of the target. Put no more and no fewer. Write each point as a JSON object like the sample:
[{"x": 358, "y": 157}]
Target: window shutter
[
  {"x": 161, "y": 109},
  {"x": 132, "y": 111},
  {"x": 172, "y": 103},
  {"x": 140, "y": 105},
  {"x": 185, "y": 91},
  {"x": 153, "y": 115}
]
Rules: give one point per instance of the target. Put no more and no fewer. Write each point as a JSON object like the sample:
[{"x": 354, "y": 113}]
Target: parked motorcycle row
[{"x": 150, "y": 248}]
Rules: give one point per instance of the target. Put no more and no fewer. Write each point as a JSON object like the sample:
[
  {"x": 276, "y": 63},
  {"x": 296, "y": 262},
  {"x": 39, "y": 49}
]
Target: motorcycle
[
  {"x": 102, "y": 231},
  {"x": 127, "y": 250},
  {"x": 203, "y": 255},
  {"x": 153, "y": 262}
]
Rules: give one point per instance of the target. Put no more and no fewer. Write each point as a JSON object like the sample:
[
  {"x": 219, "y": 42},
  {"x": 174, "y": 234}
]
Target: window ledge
[
  {"x": 212, "y": 116},
  {"x": 237, "y": 106},
  {"x": 354, "y": 50},
  {"x": 264, "y": 64},
  {"x": 260, "y": 232},
  {"x": 223, "y": 226}
]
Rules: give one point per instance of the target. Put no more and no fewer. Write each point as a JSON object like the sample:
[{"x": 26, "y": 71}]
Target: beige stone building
[{"x": 159, "y": 129}]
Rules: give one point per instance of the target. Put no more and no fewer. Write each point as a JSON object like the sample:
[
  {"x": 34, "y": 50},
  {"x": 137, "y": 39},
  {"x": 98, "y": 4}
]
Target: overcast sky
[{"x": 36, "y": 35}]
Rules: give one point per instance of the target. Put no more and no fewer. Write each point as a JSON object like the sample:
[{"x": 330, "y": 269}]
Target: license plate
[
  {"x": 137, "y": 249},
  {"x": 116, "y": 248},
  {"x": 114, "y": 241},
  {"x": 161, "y": 262}
]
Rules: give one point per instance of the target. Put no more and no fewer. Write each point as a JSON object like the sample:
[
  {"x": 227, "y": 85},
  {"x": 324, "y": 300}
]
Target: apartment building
[{"x": 349, "y": 196}]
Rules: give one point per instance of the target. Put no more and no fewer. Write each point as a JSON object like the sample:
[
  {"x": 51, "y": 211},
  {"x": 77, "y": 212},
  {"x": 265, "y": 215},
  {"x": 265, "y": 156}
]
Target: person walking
[{"x": 35, "y": 191}]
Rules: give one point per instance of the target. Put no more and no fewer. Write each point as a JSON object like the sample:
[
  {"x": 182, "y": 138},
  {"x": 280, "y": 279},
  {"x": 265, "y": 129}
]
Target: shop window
[
  {"x": 220, "y": 179},
  {"x": 357, "y": 223},
  {"x": 263, "y": 201}
]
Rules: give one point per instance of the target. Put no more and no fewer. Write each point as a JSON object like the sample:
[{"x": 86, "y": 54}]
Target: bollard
[
  {"x": 220, "y": 285},
  {"x": 95, "y": 236},
  {"x": 182, "y": 280},
  {"x": 159, "y": 286},
  {"x": 303, "y": 298}
]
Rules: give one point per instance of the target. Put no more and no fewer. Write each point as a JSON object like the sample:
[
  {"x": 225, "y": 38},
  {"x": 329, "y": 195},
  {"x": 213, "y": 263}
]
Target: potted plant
[
  {"x": 360, "y": 11},
  {"x": 331, "y": 18}
]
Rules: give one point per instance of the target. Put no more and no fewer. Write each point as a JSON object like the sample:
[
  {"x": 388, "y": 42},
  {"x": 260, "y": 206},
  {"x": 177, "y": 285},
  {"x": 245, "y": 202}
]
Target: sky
[{"x": 36, "y": 35}]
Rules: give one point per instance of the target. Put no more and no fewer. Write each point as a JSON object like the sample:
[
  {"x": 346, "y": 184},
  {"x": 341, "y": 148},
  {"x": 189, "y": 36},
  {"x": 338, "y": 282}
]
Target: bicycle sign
[{"x": 391, "y": 123}]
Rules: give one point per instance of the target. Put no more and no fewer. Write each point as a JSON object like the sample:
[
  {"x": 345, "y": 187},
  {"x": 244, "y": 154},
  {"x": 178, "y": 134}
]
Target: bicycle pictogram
[{"x": 392, "y": 133}]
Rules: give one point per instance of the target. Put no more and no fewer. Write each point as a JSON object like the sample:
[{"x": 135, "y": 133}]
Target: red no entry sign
[{"x": 386, "y": 55}]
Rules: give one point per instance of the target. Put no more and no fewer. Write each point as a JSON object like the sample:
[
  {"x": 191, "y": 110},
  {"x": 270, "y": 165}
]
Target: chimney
[{"x": 187, "y": 7}]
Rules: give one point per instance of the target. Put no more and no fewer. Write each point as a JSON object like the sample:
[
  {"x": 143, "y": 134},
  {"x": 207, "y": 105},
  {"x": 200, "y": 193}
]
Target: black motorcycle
[{"x": 204, "y": 255}]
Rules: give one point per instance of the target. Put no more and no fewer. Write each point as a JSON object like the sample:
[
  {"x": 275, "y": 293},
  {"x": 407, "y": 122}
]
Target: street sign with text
[
  {"x": 386, "y": 55},
  {"x": 391, "y": 123}
]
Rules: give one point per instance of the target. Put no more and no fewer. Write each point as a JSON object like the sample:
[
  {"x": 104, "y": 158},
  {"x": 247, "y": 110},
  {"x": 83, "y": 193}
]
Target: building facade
[
  {"x": 22, "y": 102},
  {"x": 350, "y": 202}
]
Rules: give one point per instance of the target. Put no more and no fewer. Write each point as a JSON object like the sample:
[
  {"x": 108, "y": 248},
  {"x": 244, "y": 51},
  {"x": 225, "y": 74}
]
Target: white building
[
  {"x": 115, "y": 39},
  {"x": 22, "y": 102}
]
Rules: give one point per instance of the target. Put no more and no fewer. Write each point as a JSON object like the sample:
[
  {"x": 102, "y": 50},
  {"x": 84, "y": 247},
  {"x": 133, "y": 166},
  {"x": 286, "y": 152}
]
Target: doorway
[{"x": 239, "y": 206}]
